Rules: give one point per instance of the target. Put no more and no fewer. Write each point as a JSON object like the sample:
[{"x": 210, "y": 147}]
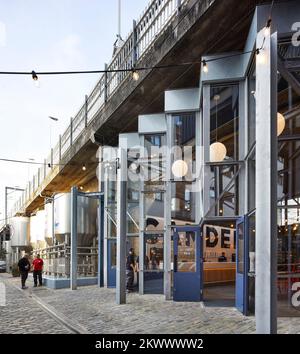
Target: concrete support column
[
  {"x": 73, "y": 265},
  {"x": 266, "y": 186},
  {"x": 121, "y": 226}
]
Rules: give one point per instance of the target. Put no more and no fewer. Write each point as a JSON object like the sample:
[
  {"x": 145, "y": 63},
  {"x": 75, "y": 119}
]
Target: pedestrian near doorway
[
  {"x": 130, "y": 267},
  {"x": 24, "y": 268},
  {"x": 37, "y": 270}
]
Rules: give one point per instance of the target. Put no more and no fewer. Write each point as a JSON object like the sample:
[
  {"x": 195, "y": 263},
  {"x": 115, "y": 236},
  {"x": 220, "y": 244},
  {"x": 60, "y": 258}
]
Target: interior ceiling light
[
  {"x": 179, "y": 168},
  {"x": 280, "y": 123}
]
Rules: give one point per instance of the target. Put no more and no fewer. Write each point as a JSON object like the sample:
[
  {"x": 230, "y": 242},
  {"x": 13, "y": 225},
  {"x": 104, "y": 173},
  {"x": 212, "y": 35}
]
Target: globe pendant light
[
  {"x": 179, "y": 168},
  {"x": 280, "y": 123},
  {"x": 218, "y": 150}
]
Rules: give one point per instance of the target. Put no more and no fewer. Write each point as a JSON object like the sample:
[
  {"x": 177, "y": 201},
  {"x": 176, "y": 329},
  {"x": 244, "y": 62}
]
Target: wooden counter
[{"x": 220, "y": 272}]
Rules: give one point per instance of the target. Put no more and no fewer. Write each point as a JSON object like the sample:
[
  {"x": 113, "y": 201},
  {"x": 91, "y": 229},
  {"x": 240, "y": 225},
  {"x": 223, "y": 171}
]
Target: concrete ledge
[{"x": 62, "y": 283}]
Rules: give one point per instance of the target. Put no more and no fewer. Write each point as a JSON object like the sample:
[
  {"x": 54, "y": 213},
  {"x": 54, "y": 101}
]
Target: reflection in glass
[
  {"x": 182, "y": 203},
  {"x": 288, "y": 188},
  {"x": 186, "y": 252},
  {"x": 113, "y": 254},
  {"x": 224, "y": 118},
  {"x": 223, "y": 191},
  {"x": 154, "y": 211},
  {"x": 183, "y": 145},
  {"x": 251, "y": 270},
  {"x": 153, "y": 263},
  {"x": 111, "y": 199},
  {"x": 153, "y": 164},
  {"x": 240, "y": 255},
  {"x": 133, "y": 193},
  {"x": 251, "y": 106}
]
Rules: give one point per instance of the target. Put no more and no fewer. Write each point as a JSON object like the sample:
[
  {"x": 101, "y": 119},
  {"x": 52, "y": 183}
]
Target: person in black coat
[{"x": 24, "y": 268}]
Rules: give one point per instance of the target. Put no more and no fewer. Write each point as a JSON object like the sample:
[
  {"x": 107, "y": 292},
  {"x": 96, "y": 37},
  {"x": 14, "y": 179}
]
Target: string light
[
  {"x": 83, "y": 168},
  {"x": 267, "y": 31},
  {"x": 205, "y": 67},
  {"x": 35, "y": 79},
  {"x": 135, "y": 75},
  {"x": 34, "y": 76}
]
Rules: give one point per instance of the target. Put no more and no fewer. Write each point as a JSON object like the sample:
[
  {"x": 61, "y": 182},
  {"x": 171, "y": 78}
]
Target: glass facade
[
  {"x": 220, "y": 199},
  {"x": 288, "y": 186}
]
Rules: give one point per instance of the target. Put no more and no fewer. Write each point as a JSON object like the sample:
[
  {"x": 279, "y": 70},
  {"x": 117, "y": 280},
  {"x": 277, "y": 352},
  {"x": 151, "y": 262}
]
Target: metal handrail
[{"x": 154, "y": 20}]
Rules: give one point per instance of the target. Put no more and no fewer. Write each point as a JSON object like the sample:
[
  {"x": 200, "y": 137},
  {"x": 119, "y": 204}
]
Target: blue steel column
[
  {"x": 73, "y": 265},
  {"x": 121, "y": 227}
]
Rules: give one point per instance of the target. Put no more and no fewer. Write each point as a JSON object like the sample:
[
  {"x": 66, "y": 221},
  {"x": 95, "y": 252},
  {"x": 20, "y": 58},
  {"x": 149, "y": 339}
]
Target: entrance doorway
[
  {"x": 219, "y": 262},
  {"x": 187, "y": 248}
]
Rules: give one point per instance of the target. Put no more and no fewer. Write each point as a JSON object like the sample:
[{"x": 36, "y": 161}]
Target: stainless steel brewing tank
[
  {"x": 19, "y": 229},
  {"x": 49, "y": 223},
  {"x": 86, "y": 218}
]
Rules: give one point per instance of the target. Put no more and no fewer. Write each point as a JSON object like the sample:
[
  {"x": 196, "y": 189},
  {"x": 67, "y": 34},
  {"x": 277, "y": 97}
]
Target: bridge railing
[{"x": 154, "y": 20}]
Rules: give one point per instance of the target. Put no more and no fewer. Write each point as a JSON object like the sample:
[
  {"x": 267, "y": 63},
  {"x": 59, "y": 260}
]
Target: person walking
[
  {"x": 37, "y": 270},
  {"x": 130, "y": 267},
  {"x": 24, "y": 268}
]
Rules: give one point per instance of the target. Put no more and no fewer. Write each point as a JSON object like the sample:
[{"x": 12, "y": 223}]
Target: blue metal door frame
[
  {"x": 188, "y": 285},
  {"x": 242, "y": 264},
  {"x": 101, "y": 241},
  {"x": 111, "y": 269}
]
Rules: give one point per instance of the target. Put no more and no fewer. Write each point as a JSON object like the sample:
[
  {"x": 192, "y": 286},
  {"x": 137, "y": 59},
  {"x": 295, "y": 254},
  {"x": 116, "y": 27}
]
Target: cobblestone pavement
[
  {"x": 22, "y": 314},
  {"x": 95, "y": 310}
]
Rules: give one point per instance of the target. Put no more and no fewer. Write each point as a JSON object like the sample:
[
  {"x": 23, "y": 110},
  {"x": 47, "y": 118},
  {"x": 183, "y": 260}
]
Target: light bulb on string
[
  {"x": 267, "y": 30},
  {"x": 83, "y": 168},
  {"x": 204, "y": 66},
  {"x": 135, "y": 75},
  {"x": 35, "y": 78}
]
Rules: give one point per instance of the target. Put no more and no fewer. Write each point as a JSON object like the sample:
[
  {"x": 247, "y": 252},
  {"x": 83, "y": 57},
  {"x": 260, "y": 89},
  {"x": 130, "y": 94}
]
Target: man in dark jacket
[
  {"x": 130, "y": 267},
  {"x": 24, "y": 268}
]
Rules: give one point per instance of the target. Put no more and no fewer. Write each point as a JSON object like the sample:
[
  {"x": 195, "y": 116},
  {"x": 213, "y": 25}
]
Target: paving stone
[{"x": 95, "y": 309}]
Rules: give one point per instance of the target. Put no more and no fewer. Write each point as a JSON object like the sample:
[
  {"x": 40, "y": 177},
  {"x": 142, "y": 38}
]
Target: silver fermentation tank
[
  {"x": 57, "y": 255},
  {"x": 19, "y": 233},
  {"x": 86, "y": 219}
]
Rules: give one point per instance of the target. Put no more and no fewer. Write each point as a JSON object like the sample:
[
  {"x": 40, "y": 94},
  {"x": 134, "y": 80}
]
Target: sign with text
[{"x": 218, "y": 240}]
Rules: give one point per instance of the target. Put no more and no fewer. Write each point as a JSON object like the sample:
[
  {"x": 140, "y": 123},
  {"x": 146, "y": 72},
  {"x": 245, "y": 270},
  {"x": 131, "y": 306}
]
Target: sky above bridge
[{"x": 49, "y": 35}]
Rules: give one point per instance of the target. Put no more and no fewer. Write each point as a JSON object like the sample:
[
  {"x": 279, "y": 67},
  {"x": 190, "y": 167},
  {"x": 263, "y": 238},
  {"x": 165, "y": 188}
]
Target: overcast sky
[{"x": 49, "y": 35}]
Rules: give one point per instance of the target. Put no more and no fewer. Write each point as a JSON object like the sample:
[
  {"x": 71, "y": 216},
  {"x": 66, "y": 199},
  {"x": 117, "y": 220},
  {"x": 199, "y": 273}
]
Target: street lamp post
[
  {"x": 53, "y": 119},
  {"x": 6, "y": 199}
]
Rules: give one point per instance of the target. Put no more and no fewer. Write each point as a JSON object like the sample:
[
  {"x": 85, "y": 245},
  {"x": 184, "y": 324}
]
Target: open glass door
[
  {"x": 242, "y": 266},
  {"x": 187, "y": 245}
]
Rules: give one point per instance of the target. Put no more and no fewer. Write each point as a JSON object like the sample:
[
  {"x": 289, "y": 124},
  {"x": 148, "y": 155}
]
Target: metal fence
[{"x": 154, "y": 20}]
